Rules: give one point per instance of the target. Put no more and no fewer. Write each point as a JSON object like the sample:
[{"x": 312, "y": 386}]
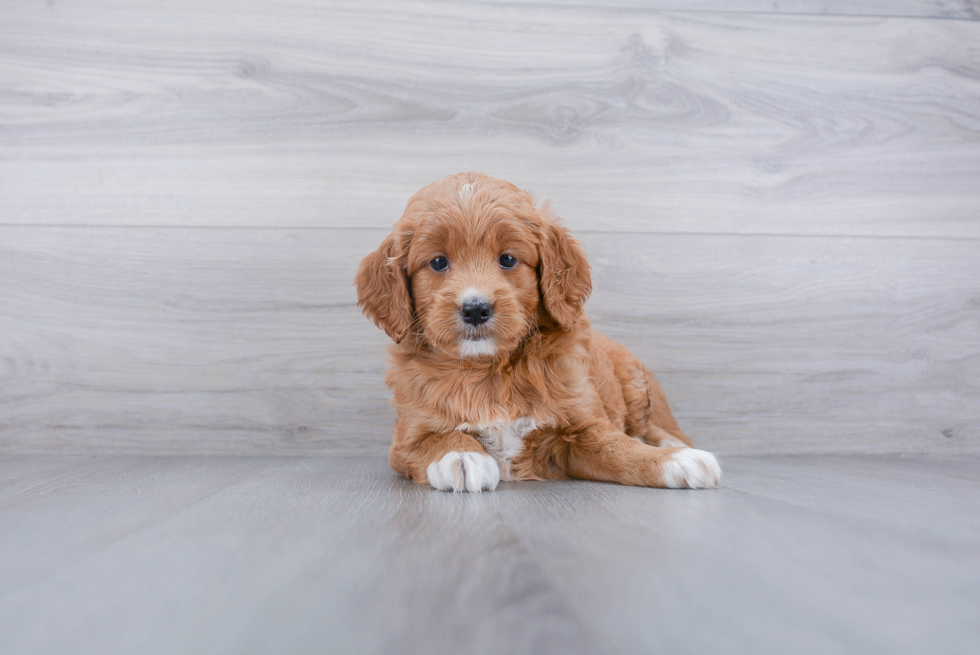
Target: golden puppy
[{"x": 496, "y": 373}]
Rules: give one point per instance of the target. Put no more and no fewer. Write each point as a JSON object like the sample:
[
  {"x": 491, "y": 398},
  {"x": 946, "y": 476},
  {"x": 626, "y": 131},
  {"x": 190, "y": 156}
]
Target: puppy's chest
[{"x": 503, "y": 440}]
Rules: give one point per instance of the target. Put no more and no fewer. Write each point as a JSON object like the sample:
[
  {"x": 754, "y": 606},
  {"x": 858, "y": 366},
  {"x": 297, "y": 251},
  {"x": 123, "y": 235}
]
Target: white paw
[
  {"x": 691, "y": 469},
  {"x": 464, "y": 471}
]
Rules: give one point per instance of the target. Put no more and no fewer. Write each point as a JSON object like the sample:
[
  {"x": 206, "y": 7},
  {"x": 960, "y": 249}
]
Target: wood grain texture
[
  {"x": 782, "y": 209},
  {"x": 163, "y": 340},
  {"x": 920, "y": 8},
  {"x": 240, "y": 341},
  {"x": 296, "y": 114},
  {"x": 302, "y": 555}
]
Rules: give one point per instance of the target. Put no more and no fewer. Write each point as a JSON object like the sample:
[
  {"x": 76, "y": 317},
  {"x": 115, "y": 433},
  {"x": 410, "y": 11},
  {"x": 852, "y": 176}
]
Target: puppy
[{"x": 495, "y": 371}]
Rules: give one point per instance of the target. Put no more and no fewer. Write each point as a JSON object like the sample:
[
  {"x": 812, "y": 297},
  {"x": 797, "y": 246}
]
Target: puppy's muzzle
[{"x": 476, "y": 312}]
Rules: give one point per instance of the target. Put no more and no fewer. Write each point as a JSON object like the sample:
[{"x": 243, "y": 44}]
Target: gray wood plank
[
  {"x": 149, "y": 337},
  {"x": 258, "y": 113},
  {"x": 795, "y": 580},
  {"x": 802, "y": 345},
  {"x": 234, "y": 341},
  {"x": 339, "y": 555},
  {"x": 922, "y": 8},
  {"x": 132, "y": 496},
  {"x": 906, "y": 496},
  {"x": 302, "y": 556}
]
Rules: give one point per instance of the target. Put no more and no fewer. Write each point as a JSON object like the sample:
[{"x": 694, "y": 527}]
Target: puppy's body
[{"x": 496, "y": 373}]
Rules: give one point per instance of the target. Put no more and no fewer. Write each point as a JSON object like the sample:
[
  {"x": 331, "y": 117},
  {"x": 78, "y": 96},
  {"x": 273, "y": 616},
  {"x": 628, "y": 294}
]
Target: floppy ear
[
  {"x": 564, "y": 274},
  {"x": 382, "y": 289}
]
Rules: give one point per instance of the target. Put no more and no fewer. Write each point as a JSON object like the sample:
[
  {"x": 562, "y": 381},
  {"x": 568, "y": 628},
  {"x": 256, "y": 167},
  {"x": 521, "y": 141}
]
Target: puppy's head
[{"x": 472, "y": 268}]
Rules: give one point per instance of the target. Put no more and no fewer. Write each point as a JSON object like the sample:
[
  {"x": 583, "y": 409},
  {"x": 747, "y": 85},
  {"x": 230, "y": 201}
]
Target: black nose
[{"x": 476, "y": 312}]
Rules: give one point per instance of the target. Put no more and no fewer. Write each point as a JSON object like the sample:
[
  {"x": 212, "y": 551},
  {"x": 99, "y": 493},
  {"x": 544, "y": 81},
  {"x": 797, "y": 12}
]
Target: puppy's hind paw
[
  {"x": 689, "y": 468},
  {"x": 464, "y": 471}
]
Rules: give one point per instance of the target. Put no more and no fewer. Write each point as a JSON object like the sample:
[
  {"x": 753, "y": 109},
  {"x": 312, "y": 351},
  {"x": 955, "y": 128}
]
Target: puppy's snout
[{"x": 476, "y": 312}]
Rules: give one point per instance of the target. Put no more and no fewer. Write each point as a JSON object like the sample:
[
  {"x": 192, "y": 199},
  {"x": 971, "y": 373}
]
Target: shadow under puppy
[{"x": 495, "y": 371}]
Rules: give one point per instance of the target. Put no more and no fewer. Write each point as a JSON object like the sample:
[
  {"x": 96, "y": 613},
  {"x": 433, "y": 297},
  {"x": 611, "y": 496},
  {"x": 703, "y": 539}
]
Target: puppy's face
[
  {"x": 474, "y": 280},
  {"x": 471, "y": 268}
]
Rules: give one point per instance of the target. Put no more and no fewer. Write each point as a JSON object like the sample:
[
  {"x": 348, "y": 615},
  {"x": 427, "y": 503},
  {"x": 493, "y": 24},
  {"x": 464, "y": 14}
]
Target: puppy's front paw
[
  {"x": 464, "y": 471},
  {"x": 689, "y": 468}
]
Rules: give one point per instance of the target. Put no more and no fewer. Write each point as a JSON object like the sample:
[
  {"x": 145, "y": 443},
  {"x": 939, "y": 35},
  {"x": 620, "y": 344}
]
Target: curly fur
[{"x": 596, "y": 412}]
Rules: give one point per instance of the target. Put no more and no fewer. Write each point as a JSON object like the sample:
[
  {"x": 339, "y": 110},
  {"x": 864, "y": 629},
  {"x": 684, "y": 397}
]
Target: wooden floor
[{"x": 805, "y": 554}]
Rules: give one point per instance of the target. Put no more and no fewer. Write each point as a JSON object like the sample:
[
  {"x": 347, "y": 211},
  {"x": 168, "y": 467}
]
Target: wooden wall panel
[
  {"x": 247, "y": 341},
  {"x": 782, "y": 209},
  {"x": 300, "y": 114},
  {"x": 969, "y": 9}
]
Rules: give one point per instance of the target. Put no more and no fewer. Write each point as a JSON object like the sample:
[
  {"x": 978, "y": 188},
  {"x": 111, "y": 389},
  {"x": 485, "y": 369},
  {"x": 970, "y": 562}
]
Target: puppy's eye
[
  {"x": 439, "y": 264},
  {"x": 508, "y": 261}
]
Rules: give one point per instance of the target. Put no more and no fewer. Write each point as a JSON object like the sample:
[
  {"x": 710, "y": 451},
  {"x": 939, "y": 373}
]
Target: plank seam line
[{"x": 660, "y": 233}]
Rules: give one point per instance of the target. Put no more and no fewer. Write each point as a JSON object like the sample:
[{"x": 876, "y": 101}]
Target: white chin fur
[
  {"x": 477, "y": 348},
  {"x": 464, "y": 471},
  {"x": 691, "y": 469}
]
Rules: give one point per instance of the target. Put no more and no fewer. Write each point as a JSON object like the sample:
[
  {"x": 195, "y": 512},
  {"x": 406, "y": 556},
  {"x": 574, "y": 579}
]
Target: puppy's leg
[
  {"x": 613, "y": 456},
  {"x": 648, "y": 416},
  {"x": 662, "y": 438},
  {"x": 454, "y": 461}
]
